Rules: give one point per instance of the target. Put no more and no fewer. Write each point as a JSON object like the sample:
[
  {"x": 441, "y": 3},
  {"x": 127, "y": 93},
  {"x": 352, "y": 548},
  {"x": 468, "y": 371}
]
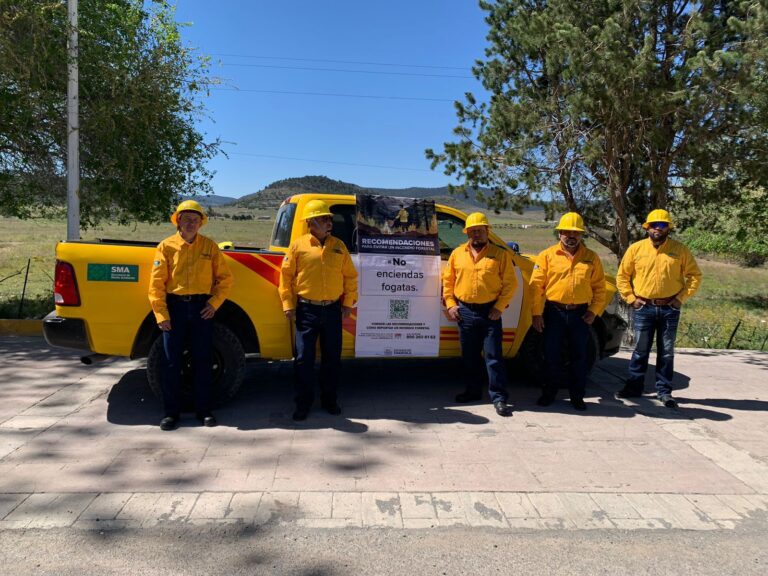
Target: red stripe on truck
[{"x": 268, "y": 267}]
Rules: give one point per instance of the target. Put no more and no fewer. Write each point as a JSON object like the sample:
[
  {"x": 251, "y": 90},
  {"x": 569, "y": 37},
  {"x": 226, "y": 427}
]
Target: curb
[
  {"x": 21, "y": 327},
  {"x": 544, "y": 511}
]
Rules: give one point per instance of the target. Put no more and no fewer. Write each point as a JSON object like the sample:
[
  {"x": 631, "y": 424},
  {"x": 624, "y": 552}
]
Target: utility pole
[{"x": 73, "y": 128}]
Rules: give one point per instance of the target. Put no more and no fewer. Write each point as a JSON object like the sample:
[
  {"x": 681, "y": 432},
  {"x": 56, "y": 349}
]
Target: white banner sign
[
  {"x": 399, "y": 309},
  {"x": 399, "y": 264}
]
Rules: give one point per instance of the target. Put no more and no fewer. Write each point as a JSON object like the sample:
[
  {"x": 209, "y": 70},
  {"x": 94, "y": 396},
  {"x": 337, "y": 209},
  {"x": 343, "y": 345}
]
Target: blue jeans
[
  {"x": 187, "y": 327},
  {"x": 566, "y": 326},
  {"x": 313, "y": 322},
  {"x": 481, "y": 344},
  {"x": 661, "y": 321}
]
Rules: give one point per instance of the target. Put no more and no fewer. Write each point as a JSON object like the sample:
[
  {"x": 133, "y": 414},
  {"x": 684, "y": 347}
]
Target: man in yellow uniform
[
  {"x": 655, "y": 277},
  {"x": 401, "y": 220},
  {"x": 478, "y": 284},
  {"x": 568, "y": 292},
  {"x": 318, "y": 286},
  {"x": 189, "y": 281}
]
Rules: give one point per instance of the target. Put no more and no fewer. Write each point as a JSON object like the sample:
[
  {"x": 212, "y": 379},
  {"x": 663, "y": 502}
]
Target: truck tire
[
  {"x": 228, "y": 368},
  {"x": 531, "y": 356}
]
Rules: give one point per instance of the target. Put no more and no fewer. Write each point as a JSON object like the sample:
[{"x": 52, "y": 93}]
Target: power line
[
  {"x": 341, "y": 61},
  {"x": 381, "y": 72},
  {"x": 328, "y": 162},
  {"x": 329, "y": 94}
]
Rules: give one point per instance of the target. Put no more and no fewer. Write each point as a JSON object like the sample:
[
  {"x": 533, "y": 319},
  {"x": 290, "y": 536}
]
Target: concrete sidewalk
[{"x": 80, "y": 446}]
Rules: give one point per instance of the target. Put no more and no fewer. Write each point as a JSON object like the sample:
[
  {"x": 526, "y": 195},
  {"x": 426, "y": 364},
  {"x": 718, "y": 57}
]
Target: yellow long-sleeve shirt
[
  {"x": 560, "y": 277},
  {"x": 182, "y": 268},
  {"x": 317, "y": 272},
  {"x": 488, "y": 277},
  {"x": 651, "y": 273}
]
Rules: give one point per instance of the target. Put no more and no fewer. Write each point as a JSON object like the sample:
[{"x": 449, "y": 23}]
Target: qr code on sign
[{"x": 399, "y": 309}]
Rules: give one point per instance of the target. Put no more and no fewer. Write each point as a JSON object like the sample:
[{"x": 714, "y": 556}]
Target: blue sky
[{"x": 281, "y": 59}]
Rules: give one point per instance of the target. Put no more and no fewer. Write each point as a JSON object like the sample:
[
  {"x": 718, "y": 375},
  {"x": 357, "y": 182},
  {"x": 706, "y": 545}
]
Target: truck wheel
[
  {"x": 228, "y": 368},
  {"x": 531, "y": 356}
]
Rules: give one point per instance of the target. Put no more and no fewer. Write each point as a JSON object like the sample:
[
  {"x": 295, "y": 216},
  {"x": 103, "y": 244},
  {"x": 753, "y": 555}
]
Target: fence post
[
  {"x": 24, "y": 289},
  {"x": 728, "y": 346}
]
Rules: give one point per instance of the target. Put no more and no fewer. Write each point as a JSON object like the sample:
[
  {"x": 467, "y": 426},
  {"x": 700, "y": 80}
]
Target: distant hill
[
  {"x": 272, "y": 195},
  {"x": 275, "y": 193}
]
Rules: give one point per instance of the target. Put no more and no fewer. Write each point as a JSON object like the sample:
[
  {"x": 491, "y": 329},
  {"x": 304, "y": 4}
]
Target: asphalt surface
[{"x": 313, "y": 552}]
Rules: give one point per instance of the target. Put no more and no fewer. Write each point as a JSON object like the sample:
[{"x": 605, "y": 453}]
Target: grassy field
[{"x": 730, "y": 294}]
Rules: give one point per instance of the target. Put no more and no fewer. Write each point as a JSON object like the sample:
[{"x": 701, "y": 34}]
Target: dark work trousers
[
  {"x": 561, "y": 326},
  {"x": 187, "y": 327},
  {"x": 481, "y": 350},
  {"x": 650, "y": 321},
  {"x": 313, "y": 322}
]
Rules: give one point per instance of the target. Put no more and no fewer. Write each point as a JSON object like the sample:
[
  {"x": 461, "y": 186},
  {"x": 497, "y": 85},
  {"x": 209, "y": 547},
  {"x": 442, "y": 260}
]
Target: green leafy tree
[
  {"x": 735, "y": 225},
  {"x": 617, "y": 107},
  {"x": 139, "y": 100}
]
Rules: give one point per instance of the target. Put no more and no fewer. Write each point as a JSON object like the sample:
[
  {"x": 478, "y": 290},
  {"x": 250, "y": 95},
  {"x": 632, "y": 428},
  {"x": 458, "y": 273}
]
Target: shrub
[{"x": 750, "y": 252}]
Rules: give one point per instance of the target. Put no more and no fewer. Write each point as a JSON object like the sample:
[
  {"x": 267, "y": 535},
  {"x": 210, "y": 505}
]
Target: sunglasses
[{"x": 659, "y": 225}]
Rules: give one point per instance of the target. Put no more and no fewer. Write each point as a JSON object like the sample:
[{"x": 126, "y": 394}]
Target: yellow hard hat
[
  {"x": 658, "y": 215},
  {"x": 189, "y": 206},
  {"x": 476, "y": 219},
  {"x": 315, "y": 209},
  {"x": 226, "y": 245},
  {"x": 571, "y": 221}
]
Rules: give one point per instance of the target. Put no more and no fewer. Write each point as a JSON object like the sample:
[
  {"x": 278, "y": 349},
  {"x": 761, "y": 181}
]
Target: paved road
[
  {"x": 458, "y": 551},
  {"x": 81, "y": 454}
]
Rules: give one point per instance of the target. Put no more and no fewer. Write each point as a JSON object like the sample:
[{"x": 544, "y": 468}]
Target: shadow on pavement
[
  {"x": 755, "y": 359},
  {"x": 728, "y": 403},
  {"x": 417, "y": 392},
  {"x": 610, "y": 374}
]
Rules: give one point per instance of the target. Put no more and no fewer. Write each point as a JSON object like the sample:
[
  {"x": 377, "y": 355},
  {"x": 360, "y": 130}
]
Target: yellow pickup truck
[{"x": 101, "y": 300}]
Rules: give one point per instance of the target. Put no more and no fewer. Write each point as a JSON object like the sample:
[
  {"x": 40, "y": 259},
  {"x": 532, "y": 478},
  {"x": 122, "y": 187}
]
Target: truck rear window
[
  {"x": 345, "y": 225},
  {"x": 281, "y": 234}
]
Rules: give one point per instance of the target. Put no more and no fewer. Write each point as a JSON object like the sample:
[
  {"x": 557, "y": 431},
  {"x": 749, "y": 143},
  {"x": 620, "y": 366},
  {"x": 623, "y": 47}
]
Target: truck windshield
[{"x": 281, "y": 234}]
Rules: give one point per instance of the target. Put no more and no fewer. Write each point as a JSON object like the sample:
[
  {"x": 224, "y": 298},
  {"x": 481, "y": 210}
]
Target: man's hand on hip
[
  {"x": 207, "y": 312},
  {"x": 538, "y": 323},
  {"x": 588, "y": 317},
  {"x": 494, "y": 314},
  {"x": 453, "y": 313},
  {"x": 290, "y": 314}
]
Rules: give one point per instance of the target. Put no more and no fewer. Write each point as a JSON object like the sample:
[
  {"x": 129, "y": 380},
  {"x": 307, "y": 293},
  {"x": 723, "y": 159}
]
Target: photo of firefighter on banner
[{"x": 398, "y": 312}]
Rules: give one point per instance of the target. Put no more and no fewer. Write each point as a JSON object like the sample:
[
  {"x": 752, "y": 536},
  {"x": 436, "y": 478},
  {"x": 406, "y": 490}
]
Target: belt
[
  {"x": 317, "y": 302},
  {"x": 659, "y": 301},
  {"x": 189, "y": 297},
  {"x": 474, "y": 307},
  {"x": 562, "y": 306}
]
